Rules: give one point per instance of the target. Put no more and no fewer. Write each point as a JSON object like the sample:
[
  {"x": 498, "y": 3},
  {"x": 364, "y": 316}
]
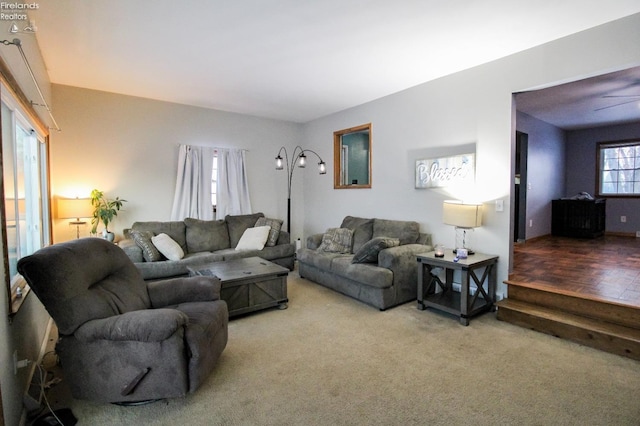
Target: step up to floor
[
  {"x": 576, "y": 303},
  {"x": 596, "y": 333}
]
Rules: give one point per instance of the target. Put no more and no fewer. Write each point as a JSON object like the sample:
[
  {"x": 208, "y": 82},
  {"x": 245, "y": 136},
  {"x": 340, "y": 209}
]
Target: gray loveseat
[
  {"x": 204, "y": 241},
  {"x": 378, "y": 266}
]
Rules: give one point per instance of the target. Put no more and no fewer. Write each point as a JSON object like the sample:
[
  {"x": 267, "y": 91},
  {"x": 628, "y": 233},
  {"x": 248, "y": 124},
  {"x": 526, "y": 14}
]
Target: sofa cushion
[
  {"x": 337, "y": 240},
  {"x": 143, "y": 240},
  {"x": 254, "y": 238},
  {"x": 368, "y": 253},
  {"x": 168, "y": 247},
  {"x": 319, "y": 259},
  {"x": 238, "y": 224},
  {"x": 406, "y": 231},
  {"x": 365, "y": 274},
  {"x": 206, "y": 235},
  {"x": 274, "y": 233},
  {"x": 174, "y": 229},
  {"x": 362, "y": 230}
]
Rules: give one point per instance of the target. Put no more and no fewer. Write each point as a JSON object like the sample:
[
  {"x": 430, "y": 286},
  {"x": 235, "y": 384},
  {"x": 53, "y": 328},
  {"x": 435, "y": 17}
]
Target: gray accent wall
[
  {"x": 582, "y": 172},
  {"x": 545, "y": 172}
]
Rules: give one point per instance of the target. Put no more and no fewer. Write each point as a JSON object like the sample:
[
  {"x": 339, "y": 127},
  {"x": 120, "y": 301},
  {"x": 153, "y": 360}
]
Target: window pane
[
  {"x": 214, "y": 182},
  {"x": 609, "y": 188},
  {"x": 609, "y": 176},
  {"x": 619, "y": 169}
]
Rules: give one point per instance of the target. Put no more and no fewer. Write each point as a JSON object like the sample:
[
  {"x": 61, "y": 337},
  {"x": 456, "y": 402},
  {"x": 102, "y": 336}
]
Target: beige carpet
[{"x": 330, "y": 360}]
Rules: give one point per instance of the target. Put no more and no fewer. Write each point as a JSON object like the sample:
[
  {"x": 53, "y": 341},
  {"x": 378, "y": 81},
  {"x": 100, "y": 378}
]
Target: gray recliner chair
[{"x": 121, "y": 339}]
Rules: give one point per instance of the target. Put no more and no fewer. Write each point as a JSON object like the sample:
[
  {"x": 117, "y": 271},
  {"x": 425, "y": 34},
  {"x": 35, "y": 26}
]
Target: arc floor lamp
[{"x": 299, "y": 158}]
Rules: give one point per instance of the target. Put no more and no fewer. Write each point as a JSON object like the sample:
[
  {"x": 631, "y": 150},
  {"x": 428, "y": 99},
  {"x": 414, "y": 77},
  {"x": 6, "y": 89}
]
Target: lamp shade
[
  {"x": 461, "y": 215},
  {"x": 74, "y": 208}
]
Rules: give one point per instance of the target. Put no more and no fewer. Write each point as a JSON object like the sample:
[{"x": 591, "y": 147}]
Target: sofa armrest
[
  {"x": 131, "y": 249},
  {"x": 283, "y": 238},
  {"x": 148, "y": 325},
  {"x": 183, "y": 290},
  {"x": 314, "y": 241}
]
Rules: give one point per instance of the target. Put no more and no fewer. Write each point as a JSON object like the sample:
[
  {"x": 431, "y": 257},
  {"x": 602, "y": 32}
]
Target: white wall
[
  {"x": 472, "y": 106},
  {"x": 128, "y": 147}
]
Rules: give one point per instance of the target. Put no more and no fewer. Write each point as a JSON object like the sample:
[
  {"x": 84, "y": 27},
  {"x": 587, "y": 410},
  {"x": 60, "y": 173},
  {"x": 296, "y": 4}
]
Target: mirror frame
[{"x": 337, "y": 142}]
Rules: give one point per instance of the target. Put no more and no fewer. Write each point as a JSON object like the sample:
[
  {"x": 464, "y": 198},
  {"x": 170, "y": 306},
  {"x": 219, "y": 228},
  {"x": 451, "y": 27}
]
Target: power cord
[{"x": 44, "y": 385}]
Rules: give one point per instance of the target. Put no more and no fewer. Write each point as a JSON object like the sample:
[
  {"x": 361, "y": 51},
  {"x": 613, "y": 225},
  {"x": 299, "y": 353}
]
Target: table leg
[
  {"x": 464, "y": 297},
  {"x": 421, "y": 274}
]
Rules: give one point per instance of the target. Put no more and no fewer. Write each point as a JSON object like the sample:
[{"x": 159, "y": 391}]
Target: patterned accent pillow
[
  {"x": 368, "y": 253},
  {"x": 337, "y": 240},
  {"x": 143, "y": 240},
  {"x": 274, "y": 233}
]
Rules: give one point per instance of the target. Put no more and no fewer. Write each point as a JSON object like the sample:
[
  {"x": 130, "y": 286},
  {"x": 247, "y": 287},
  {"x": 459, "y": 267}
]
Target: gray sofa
[
  {"x": 379, "y": 268},
  {"x": 204, "y": 241}
]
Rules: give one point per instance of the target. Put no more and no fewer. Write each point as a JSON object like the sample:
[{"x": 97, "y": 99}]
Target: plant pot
[{"x": 109, "y": 236}]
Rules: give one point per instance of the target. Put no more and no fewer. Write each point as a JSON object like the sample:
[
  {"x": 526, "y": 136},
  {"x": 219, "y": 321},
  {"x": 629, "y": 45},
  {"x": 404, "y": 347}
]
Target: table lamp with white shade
[{"x": 465, "y": 217}]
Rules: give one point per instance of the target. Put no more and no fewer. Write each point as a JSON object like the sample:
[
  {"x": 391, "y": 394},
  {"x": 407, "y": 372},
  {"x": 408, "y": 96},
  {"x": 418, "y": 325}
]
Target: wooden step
[
  {"x": 575, "y": 303},
  {"x": 596, "y": 333}
]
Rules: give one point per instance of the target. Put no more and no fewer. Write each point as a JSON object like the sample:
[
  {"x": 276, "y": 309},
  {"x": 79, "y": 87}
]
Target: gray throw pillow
[
  {"x": 206, "y": 235},
  {"x": 143, "y": 240},
  {"x": 337, "y": 240},
  {"x": 274, "y": 233},
  {"x": 368, "y": 253}
]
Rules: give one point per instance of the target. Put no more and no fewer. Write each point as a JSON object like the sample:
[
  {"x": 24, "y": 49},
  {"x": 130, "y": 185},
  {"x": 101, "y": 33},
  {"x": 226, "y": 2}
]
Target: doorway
[{"x": 520, "y": 189}]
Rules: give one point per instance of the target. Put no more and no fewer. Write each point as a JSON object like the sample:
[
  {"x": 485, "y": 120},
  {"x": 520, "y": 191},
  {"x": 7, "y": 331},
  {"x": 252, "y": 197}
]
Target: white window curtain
[
  {"x": 193, "y": 183},
  {"x": 233, "y": 186}
]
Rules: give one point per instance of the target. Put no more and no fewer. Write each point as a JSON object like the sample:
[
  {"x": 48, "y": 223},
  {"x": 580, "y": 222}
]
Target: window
[
  {"x": 214, "y": 184},
  {"x": 619, "y": 168},
  {"x": 26, "y": 219}
]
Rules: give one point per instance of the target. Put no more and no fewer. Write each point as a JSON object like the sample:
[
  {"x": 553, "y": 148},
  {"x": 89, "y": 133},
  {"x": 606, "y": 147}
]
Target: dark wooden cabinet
[{"x": 578, "y": 218}]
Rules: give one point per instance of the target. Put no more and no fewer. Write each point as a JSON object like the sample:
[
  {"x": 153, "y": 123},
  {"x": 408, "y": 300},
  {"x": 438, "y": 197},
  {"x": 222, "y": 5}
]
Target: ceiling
[
  {"x": 607, "y": 99},
  {"x": 290, "y": 59}
]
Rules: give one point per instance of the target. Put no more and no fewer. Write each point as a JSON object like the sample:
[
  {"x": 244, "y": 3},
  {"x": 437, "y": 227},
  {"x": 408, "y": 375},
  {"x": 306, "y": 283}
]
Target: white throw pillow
[
  {"x": 254, "y": 238},
  {"x": 167, "y": 246}
]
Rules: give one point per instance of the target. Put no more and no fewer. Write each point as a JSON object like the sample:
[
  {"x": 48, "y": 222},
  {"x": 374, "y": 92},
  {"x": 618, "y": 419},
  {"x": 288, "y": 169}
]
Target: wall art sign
[{"x": 446, "y": 171}]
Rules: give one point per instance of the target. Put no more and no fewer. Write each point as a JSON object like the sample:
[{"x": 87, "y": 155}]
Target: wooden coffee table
[{"x": 248, "y": 284}]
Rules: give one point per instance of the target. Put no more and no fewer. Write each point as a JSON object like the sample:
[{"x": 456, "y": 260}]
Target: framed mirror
[{"x": 352, "y": 157}]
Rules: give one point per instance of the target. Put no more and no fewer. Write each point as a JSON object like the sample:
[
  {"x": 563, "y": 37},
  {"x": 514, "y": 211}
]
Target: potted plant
[{"x": 104, "y": 210}]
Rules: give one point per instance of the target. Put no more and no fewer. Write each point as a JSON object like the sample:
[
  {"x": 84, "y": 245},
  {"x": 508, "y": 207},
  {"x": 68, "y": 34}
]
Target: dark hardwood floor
[{"x": 605, "y": 268}]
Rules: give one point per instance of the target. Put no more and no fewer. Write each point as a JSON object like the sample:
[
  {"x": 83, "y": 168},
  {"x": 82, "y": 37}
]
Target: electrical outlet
[
  {"x": 19, "y": 364},
  {"x": 530, "y": 223},
  {"x": 623, "y": 219},
  {"x": 499, "y": 205},
  {"x": 637, "y": 234}
]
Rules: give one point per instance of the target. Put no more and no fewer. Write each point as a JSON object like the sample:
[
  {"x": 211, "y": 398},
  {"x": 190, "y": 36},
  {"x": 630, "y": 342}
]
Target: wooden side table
[{"x": 461, "y": 304}]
